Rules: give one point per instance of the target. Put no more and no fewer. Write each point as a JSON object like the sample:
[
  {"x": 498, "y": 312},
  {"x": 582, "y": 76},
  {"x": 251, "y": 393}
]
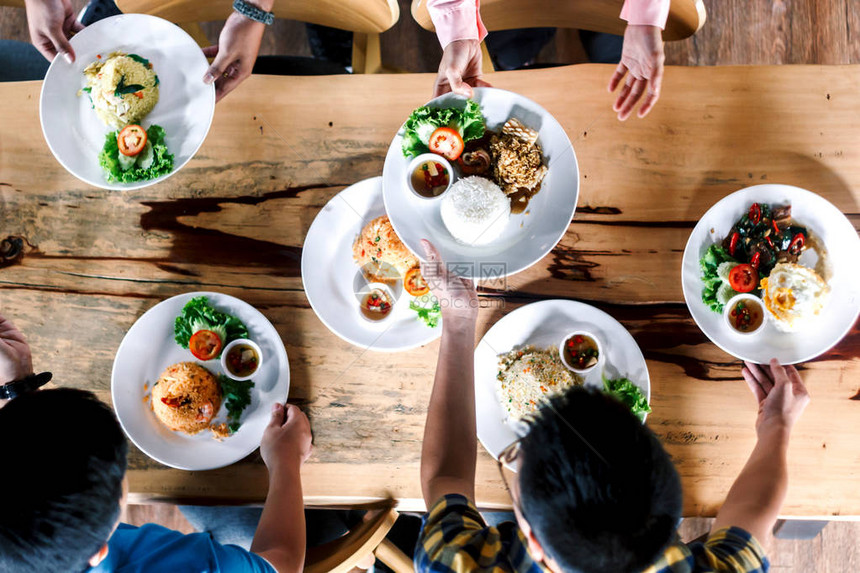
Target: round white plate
[
  {"x": 544, "y": 324},
  {"x": 329, "y": 275},
  {"x": 527, "y": 238},
  {"x": 185, "y": 107},
  {"x": 841, "y": 309},
  {"x": 148, "y": 348}
]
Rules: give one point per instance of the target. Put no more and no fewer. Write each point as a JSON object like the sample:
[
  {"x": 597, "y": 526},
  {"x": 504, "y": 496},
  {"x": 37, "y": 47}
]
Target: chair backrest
[
  {"x": 14, "y": 3},
  {"x": 685, "y": 16},
  {"x": 363, "y": 16},
  {"x": 342, "y": 554}
]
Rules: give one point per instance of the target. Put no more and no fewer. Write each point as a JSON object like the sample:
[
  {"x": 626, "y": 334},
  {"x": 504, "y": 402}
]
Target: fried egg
[{"x": 792, "y": 294}]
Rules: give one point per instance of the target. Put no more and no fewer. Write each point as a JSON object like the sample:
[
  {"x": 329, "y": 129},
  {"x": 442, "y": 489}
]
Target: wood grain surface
[{"x": 234, "y": 220}]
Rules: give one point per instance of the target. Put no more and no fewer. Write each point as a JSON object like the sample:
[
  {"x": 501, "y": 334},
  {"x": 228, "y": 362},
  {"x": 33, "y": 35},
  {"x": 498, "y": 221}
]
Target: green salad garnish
[
  {"x": 469, "y": 122},
  {"x": 629, "y": 394},
  {"x": 428, "y": 310},
  {"x": 237, "y": 396},
  {"x": 154, "y": 161},
  {"x": 198, "y": 314},
  {"x": 716, "y": 291}
]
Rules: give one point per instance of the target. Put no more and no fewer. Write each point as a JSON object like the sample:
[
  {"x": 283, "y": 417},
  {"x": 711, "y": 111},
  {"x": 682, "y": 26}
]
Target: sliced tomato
[
  {"x": 447, "y": 143},
  {"x": 414, "y": 283},
  {"x": 205, "y": 345},
  {"x": 131, "y": 140},
  {"x": 743, "y": 278}
]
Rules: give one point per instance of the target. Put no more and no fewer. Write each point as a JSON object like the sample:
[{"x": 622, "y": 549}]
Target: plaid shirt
[{"x": 455, "y": 538}]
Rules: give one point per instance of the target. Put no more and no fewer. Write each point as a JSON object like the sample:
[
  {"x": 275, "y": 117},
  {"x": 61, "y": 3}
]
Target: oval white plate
[
  {"x": 544, "y": 324},
  {"x": 148, "y": 348},
  {"x": 329, "y": 272},
  {"x": 527, "y": 238},
  {"x": 185, "y": 107},
  {"x": 841, "y": 309}
]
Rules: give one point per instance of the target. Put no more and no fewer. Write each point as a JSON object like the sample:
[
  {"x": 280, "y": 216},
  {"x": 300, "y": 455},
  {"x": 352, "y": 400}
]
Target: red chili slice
[
  {"x": 733, "y": 245},
  {"x": 755, "y": 213},
  {"x": 756, "y": 260},
  {"x": 796, "y": 244}
]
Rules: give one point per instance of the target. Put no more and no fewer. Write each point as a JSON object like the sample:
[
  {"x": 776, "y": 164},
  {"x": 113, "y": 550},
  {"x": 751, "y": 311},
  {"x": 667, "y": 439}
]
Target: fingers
[
  {"x": 218, "y": 66},
  {"x": 61, "y": 44},
  {"x": 752, "y": 382},
  {"x": 761, "y": 376},
  {"x": 430, "y": 250},
  {"x": 278, "y": 415},
  {"x": 228, "y": 81},
  {"x": 622, "y": 95},
  {"x": 636, "y": 91},
  {"x": 210, "y": 51},
  {"x": 616, "y": 78},
  {"x": 654, "y": 86},
  {"x": 458, "y": 86},
  {"x": 778, "y": 373}
]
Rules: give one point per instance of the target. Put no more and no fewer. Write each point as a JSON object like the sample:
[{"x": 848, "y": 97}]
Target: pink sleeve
[
  {"x": 646, "y": 12},
  {"x": 457, "y": 20}
]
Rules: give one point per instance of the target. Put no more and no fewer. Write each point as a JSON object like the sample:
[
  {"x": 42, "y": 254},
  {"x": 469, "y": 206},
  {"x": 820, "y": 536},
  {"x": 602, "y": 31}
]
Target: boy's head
[
  {"x": 597, "y": 489},
  {"x": 64, "y": 459}
]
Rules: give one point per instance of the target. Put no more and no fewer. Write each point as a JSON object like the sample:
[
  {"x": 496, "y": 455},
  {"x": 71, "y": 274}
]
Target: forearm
[
  {"x": 280, "y": 536},
  {"x": 754, "y": 501},
  {"x": 449, "y": 450}
]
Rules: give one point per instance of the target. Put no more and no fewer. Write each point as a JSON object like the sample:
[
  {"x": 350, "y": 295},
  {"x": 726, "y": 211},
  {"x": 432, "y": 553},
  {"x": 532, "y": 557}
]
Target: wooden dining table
[{"x": 234, "y": 220}]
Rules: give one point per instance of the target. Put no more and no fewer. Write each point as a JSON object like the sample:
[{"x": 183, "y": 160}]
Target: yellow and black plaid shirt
[{"x": 455, "y": 538}]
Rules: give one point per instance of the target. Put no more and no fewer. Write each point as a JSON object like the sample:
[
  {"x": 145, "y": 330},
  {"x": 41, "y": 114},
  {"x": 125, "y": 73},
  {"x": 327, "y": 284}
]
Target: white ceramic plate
[
  {"x": 185, "y": 107},
  {"x": 330, "y": 275},
  {"x": 148, "y": 348},
  {"x": 527, "y": 238},
  {"x": 841, "y": 309},
  {"x": 544, "y": 324}
]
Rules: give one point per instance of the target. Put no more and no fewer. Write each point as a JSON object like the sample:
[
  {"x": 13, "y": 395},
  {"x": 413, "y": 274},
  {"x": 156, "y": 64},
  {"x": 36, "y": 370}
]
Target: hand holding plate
[
  {"x": 287, "y": 439},
  {"x": 234, "y": 55},
  {"x": 15, "y": 360},
  {"x": 460, "y": 69},
  {"x": 52, "y": 23},
  {"x": 780, "y": 392}
]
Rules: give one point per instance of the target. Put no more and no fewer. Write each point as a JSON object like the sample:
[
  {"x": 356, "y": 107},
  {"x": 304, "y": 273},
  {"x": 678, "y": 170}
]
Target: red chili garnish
[
  {"x": 756, "y": 259},
  {"x": 796, "y": 244},
  {"x": 174, "y": 402},
  {"x": 775, "y": 227},
  {"x": 733, "y": 245},
  {"x": 755, "y": 213},
  {"x": 769, "y": 242},
  {"x": 139, "y": 95}
]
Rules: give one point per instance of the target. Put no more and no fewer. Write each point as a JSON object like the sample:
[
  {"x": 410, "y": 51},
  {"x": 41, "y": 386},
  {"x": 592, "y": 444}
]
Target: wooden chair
[
  {"x": 686, "y": 17},
  {"x": 342, "y": 555},
  {"x": 367, "y": 19}
]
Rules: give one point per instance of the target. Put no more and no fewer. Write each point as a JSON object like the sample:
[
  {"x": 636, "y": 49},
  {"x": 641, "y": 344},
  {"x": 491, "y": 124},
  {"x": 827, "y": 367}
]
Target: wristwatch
[
  {"x": 29, "y": 383},
  {"x": 256, "y": 14}
]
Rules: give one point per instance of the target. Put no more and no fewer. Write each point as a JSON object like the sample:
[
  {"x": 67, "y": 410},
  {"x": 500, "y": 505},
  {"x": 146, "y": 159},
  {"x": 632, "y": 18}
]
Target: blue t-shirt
[{"x": 156, "y": 548}]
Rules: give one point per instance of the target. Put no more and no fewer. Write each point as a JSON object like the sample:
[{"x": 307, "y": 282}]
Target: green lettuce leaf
[
  {"x": 161, "y": 165},
  {"x": 469, "y": 122},
  {"x": 629, "y": 394},
  {"x": 711, "y": 281},
  {"x": 198, "y": 314}
]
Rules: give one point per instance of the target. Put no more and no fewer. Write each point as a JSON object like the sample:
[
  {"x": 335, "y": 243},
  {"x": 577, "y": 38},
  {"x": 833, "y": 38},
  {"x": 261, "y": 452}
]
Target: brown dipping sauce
[
  {"x": 376, "y": 304},
  {"x": 746, "y": 316},
  {"x": 242, "y": 360},
  {"x": 430, "y": 179},
  {"x": 580, "y": 351}
]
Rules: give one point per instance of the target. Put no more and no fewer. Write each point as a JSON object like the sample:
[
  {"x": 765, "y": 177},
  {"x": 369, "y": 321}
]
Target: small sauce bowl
[
  {"x": 422, "y": 168},
  {"x": 241, "y": 359},
  {"x": 576, "y": 343},
  {"x": 745, "y": 314},
  {"x": 376, "y": 302}
]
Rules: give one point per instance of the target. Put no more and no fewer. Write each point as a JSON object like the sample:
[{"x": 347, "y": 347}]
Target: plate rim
[
  {"x": 546, "y": 114},
  {"x": 689, "y": 248},
  {"x": 553, "y": 302},
  {"x": 435, "y": 332},
  {"x": 105, "y": 184},
  {"x": 280, "y": 347}
]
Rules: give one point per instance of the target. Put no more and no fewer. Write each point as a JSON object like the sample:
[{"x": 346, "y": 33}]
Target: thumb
[
  {"x": 277, "y": 415},
  {"x": 458, "y": 86},
  {"x": 430, "y": 251},
  {"x": 219, "y": 64},
  {"x": 62, "y": 45}
]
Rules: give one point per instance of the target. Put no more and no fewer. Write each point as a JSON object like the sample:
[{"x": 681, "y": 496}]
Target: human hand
[
  {"x": 460, "y": 69},
  {"x": 15, "y": 359},
  {"x": 234, "y": 55},
  {"x": 642, "y": 58},
  {"x": 287, "y": 439},
  {"x": 52, "y": 23},
  {"x": 780, "y": 392},
  {"x": 457, "y": 296}
]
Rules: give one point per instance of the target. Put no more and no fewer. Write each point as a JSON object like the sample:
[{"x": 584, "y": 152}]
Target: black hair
[
  {"x": 596, "y": 486},
  {"x": 64, "y": 458}
]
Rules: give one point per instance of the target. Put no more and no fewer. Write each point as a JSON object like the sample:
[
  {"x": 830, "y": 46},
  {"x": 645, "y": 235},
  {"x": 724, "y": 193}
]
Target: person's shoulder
[
  {"x": 153, "y": 547},
  {"x": 729, "y": 550}
]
